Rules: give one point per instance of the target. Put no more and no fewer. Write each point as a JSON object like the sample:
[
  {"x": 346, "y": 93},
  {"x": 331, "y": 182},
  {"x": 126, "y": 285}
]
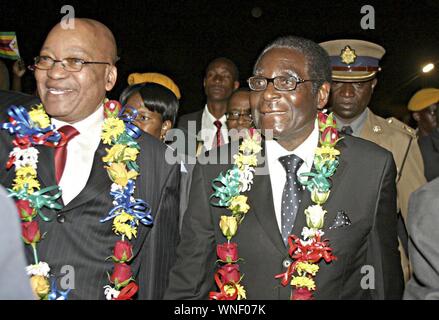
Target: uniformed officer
[
  {"x": 424, "y": 105},
  {"x": 355, "y": 65}
]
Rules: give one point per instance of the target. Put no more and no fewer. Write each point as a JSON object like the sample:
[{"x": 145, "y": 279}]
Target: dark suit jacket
[
  {"x": 363, "y": 187},
  {"x": 423, "y": 222},
  {"x": 188, "y": 123},
  {"x": 84, "y": 243},
  {"x": 429, "y": 146},
  {"x": 183, "y": 121}
]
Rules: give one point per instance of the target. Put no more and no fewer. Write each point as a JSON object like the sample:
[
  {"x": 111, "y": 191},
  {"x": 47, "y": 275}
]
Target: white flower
[
  {"x": 110, "y": 293},
  {"x": 115, "y": 188},
  {"x": 25, "y": 157},
  {"x": 40, "y": 269},
  {"x": 315, "y": 216},
  {"x": 308, "y": 233},
  {"x": 246, "y": 178}
]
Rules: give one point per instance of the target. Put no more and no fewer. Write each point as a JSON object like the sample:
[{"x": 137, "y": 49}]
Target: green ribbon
[
  {"x": 319, "y": 180},
  {"x": 39, "y": 199},
  {"x": 127, "y": 140},
  {"x": 229, "y": 188}
]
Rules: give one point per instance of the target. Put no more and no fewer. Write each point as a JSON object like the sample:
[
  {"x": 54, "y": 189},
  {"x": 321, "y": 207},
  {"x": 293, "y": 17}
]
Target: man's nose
[
  {"x": 347, "y": 90},
  {"x": 270, "y": 93},
  {"x": 57, "y": 71}
]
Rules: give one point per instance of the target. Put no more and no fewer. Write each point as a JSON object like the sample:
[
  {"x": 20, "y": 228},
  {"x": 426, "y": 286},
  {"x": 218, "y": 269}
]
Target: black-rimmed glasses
[{"x": 281, "y": 83}]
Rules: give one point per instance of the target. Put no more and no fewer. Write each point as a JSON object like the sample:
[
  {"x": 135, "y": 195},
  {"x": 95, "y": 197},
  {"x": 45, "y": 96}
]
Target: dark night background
[{"x": 179, "y": 38}]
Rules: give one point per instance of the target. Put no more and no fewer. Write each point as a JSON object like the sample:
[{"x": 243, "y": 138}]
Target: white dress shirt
[
  {"x": 80, "y": 154},
  {"x": 277, "y": 172},
  {"x": 208, "y": 129}
]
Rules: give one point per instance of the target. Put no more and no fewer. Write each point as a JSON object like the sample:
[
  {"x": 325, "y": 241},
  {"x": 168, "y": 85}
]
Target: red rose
[
  {"x": 121, "y": 274},
  {"x": 227, "y": 252},
  {"x": 302, "y": 294},
  {"x": 230, "y": 273},
  {"x": 123, "y": 251},
  {"x": 329, "y": 136},
  {"x": 25, "y": 211},
  {"x": 30, "y": 232},
  {"x": 322, "y": 118}
]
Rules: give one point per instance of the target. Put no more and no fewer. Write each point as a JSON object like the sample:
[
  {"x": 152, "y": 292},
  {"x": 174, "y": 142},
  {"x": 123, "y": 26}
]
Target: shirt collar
[
  {"x": 211, "y": 118},
  {"x": 355, "y": 125},
  {"x": 90, "y": 124},
  {"x": 305, "y": 151}
]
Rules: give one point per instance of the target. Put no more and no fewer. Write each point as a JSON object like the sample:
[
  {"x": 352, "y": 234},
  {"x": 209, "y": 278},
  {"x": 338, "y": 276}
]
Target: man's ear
[
  {"x": 323, "y": 95},
  {"x": 111, "y": 78},
  {"x": 235, "y": 85},
  {"x": 374, "y": 83}
]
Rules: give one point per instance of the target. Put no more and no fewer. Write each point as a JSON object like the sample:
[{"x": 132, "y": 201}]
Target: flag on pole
[{"x": 9, "y": 46}]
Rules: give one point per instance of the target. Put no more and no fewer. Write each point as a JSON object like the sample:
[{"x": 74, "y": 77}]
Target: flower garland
[
  {"x": 30, "y": 129},
  {"x": 236, "y": 181},
  {"x": 308, "y": 251},
  {"x": 34, "y": 128},
  {"x": 120, "y": 134}
]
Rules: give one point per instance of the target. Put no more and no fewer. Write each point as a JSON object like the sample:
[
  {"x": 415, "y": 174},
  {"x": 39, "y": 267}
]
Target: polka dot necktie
[{"x": 291, "y": 196}]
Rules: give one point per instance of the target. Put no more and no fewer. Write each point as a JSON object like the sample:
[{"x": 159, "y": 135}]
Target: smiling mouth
[
  {"x": 58, "y": 92},
  {"x": 272, "y": 113}
]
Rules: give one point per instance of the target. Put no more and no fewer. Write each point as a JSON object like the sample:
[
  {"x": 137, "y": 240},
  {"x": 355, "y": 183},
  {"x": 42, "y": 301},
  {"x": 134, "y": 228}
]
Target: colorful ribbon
[
  {"x": 129, "y": 114},
  {"x": 26, "y": 132},
  {"x": 229, "y": 188},
  {"x": 39, "y": 199},
  {"x": 125, "y": 203}
]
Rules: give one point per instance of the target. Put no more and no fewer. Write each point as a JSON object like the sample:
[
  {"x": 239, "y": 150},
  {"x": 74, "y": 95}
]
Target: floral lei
[
  {"x": 307, "y": 252},
  {"x": 34, "y": 128},
  {"x": 236, "y": 181}
]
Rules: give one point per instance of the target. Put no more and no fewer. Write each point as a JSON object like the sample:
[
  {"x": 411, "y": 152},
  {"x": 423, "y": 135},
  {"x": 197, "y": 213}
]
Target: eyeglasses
[
  {"x": 69, "y": 64},
  {"x": 247, "y": 117},
  {"x": 280, "y": 83}
]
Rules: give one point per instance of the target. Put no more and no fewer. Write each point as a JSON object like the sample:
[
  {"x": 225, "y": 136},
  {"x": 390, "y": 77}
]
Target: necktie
[
  {"x": 347, "y": 130},
  {"x": 291, "y": 196},
  {"x": 61, "y": 151},
  {"x": 218, "y": 137}
]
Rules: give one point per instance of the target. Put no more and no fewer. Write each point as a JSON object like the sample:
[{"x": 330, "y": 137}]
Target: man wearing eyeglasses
[
  {"x": 291, "y": 82},
  {"x": 74, "y": 71},
  {"x": 239, "y": 114}
]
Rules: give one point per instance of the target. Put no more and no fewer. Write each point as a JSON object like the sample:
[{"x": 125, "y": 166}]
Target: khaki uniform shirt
[{"x": 401, "y": 141}]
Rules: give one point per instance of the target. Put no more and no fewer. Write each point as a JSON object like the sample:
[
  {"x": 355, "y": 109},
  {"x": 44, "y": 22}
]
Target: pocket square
[{"x": 341, "y": 220}]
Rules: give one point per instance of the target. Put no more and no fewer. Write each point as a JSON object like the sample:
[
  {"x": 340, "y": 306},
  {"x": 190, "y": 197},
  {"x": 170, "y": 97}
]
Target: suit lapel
[
  {"x": 306, "y": 198},
  {"x": 97, "y": 183},
  {"x": 263, "y": 207},
  {"x": 46, "y": 165}
]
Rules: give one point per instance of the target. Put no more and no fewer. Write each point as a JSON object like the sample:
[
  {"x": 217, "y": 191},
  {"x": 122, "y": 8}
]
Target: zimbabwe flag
[{"x": 9, "y": 46}]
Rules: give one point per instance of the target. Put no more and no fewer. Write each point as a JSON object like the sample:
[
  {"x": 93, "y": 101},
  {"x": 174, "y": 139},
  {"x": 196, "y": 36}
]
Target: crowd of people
[{"x": 287, "y": 188}]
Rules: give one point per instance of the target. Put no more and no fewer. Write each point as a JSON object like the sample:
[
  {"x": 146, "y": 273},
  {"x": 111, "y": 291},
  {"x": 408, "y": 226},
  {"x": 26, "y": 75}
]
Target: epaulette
[{"x": 401, "y": 126}]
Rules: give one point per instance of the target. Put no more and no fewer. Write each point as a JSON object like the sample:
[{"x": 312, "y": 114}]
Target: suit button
[
  {"x": 286, "y": 263},
  {"x": 60, "y": 218}
]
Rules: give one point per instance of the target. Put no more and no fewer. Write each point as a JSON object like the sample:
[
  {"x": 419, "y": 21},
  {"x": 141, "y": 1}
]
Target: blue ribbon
[
  {"x": 24, "y": 127},
  {"x": 56, "y": 294},
  {"x": 128, "y": 114},
  {"x": 138, "y": 208}
]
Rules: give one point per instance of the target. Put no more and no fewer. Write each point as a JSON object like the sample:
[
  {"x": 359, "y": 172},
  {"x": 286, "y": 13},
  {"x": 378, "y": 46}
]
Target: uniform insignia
[
  {"x": 376, "y": 129},
  {"x": 348, "y": 55}
]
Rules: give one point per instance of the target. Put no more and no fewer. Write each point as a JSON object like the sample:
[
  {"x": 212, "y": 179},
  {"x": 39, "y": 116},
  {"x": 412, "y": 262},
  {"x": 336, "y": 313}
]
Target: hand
[{"x": 18, "y": 69}]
